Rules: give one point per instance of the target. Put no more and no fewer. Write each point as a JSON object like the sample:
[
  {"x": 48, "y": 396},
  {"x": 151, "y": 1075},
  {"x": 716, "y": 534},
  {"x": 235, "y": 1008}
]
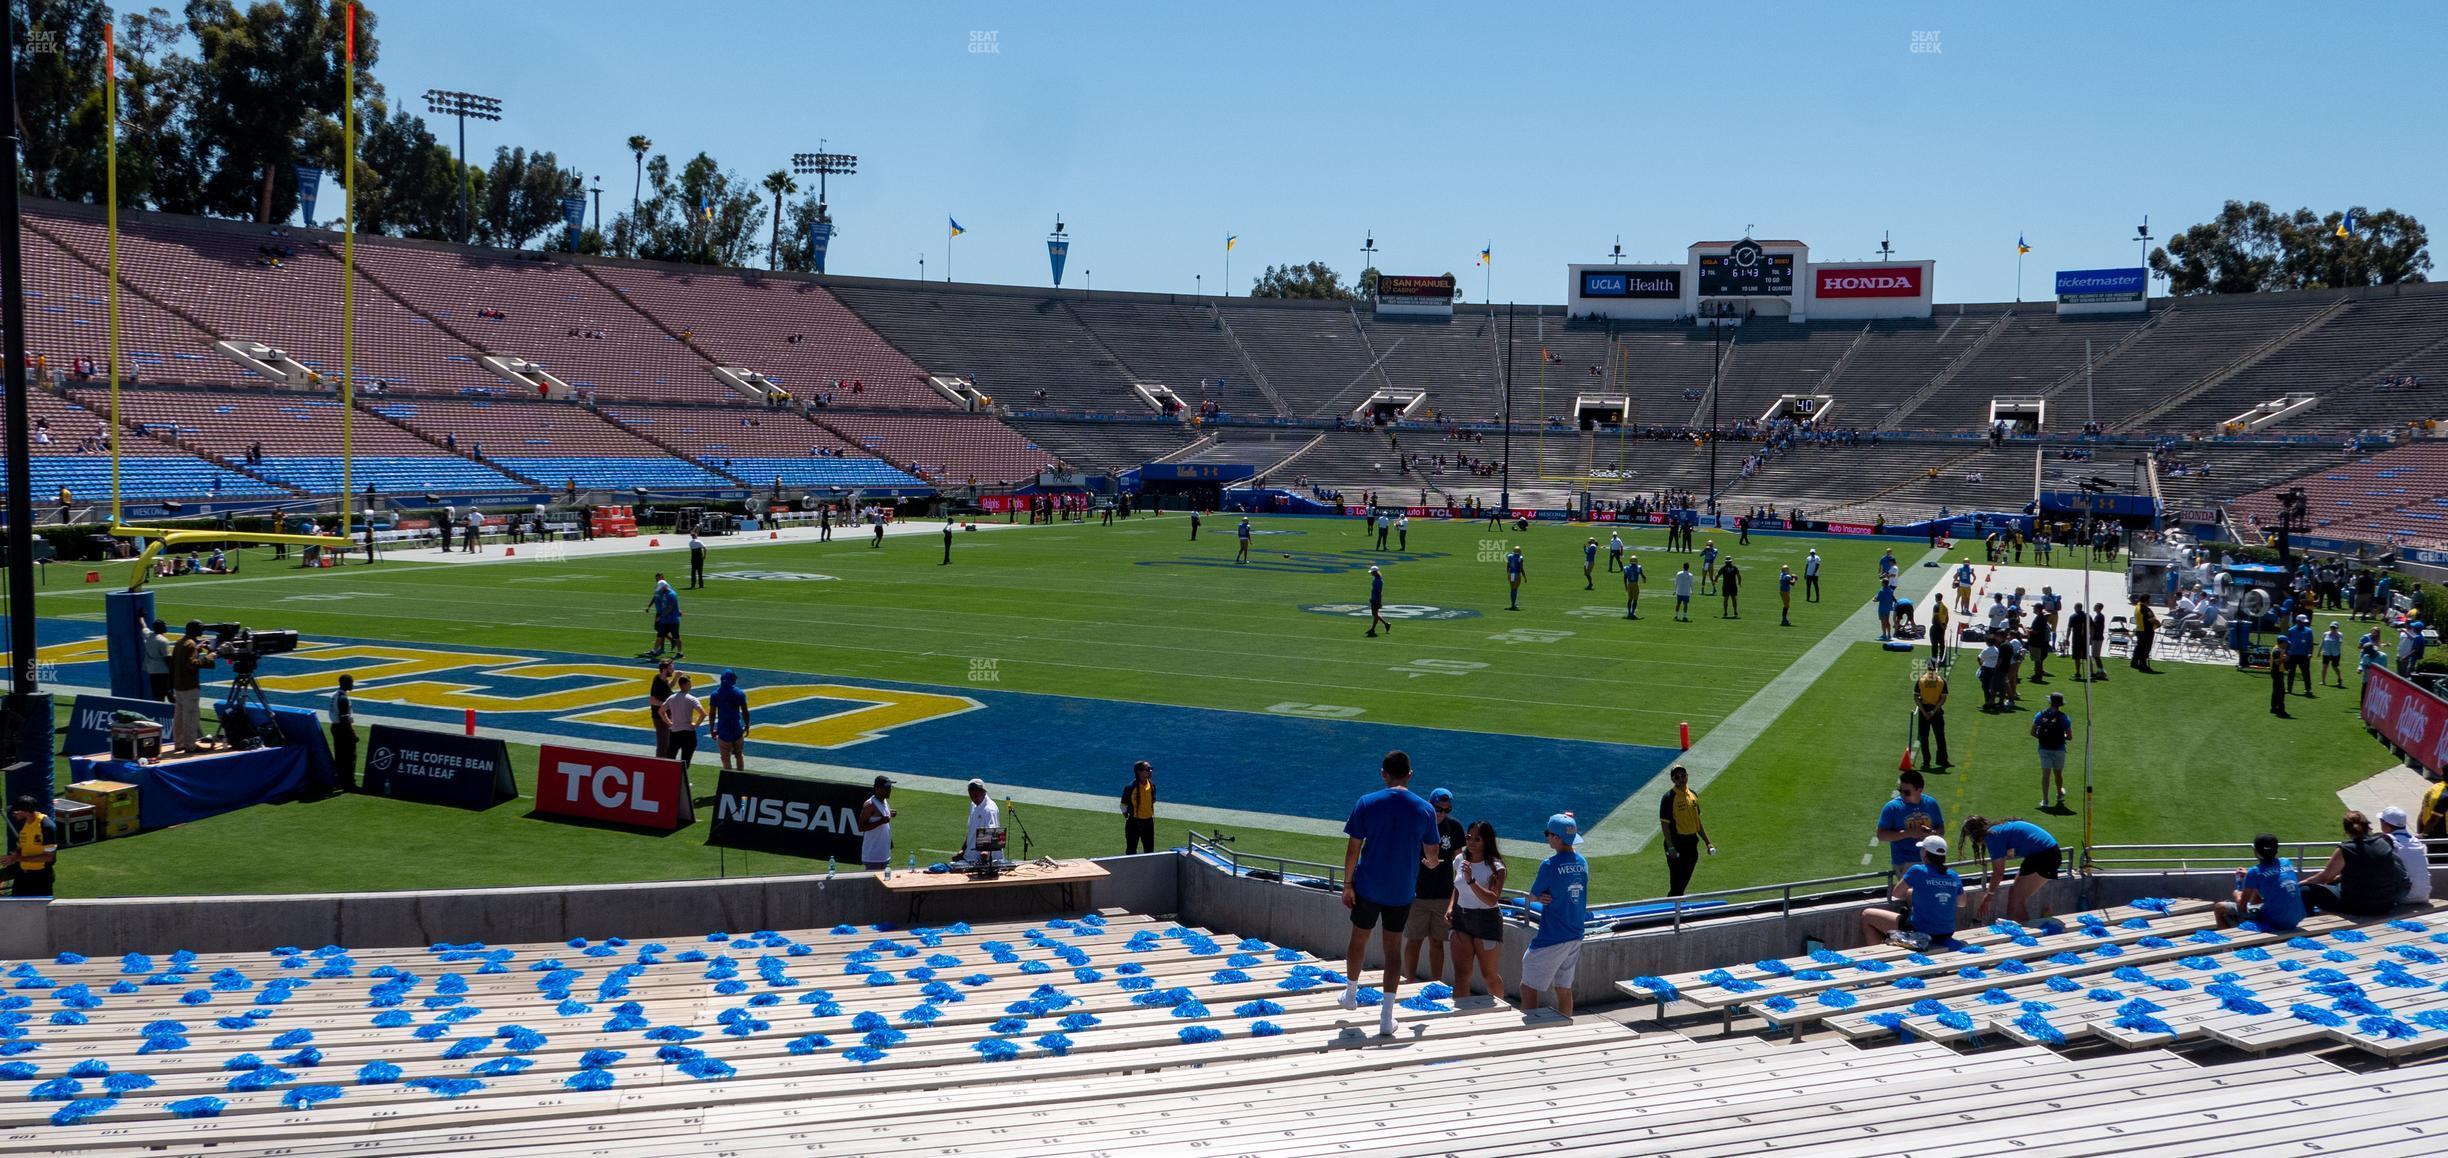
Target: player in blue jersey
[
  {"x": 1515, "y": 572},
  {"x": 1589, "y": 565},
  {"x": 1632, "y": 576}
]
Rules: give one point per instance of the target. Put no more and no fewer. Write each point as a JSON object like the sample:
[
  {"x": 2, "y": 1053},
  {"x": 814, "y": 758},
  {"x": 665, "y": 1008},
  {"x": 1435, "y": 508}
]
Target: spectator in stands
[
  {"x": 1561, "y": 890},
  {"x": 1907, "y": 818},
  {"x": 1430, "y": 924},
  {"x": 1933, "y": 894},
  {"x": 1679, "y": 822},
  {"x": 682, "y": 712},
  {"x": 2364, "y": 877},
  {"x": 1390, "y": 834},
  {"x": 2010, "y": 838},
  {"x": 1478, "y": 929},
  {"x": 2266, "y": 893},
  {"x": 2410, "y": 850},
  {"x": 450, "y": 441}
]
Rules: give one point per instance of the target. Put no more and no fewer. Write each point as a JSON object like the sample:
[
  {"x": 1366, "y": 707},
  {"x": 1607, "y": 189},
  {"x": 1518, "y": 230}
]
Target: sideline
[{"x": 1725, "y": 743}]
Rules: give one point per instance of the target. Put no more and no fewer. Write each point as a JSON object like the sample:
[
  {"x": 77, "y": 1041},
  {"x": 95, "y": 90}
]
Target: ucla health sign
[
  {"x": 2102, "y": 285},
  {"x": 1618, "y": 283}
]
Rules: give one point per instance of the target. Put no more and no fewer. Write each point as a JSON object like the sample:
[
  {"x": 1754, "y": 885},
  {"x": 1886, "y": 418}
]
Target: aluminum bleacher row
[
  {"x": 1117, "y": 1033},
  {"x": 368, "y": 1048}
]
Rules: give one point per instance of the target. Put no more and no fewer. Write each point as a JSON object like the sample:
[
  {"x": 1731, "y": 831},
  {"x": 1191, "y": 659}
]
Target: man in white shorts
[{"x": 1562, "y": 893}]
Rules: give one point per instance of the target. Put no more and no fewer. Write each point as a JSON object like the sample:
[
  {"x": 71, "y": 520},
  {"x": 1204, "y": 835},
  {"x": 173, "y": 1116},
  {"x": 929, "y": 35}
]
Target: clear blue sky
[{"x": 1155, "y": 129}]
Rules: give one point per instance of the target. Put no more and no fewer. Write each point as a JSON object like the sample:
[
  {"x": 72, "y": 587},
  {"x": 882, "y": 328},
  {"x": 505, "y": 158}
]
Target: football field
[{"x": 1047, "y": 659}]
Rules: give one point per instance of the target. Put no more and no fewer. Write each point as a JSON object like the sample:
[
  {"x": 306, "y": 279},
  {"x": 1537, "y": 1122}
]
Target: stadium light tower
[
  {"x": 597, "y": 190},
  {"x": 1886, "y": 251},
  {"x": 1368, "y": 251},
  {"x": 822, "y": 164},
  {"x": 1615, "y": 255},
  {"x": 2142, "y": 235},
  {"x": 463, "y": 105}
]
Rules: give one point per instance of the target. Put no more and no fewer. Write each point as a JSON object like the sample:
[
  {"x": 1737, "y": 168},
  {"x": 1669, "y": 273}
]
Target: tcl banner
[
  {"x": 613, "y": 788},
  {"x": 2407, "y": 719},
  {"x": 1876, "y": 281}
]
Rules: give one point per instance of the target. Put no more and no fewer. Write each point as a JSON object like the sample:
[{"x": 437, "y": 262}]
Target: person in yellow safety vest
[
  {"x": 32, "y": 849},
  {"x": 1139, "y": 810}
]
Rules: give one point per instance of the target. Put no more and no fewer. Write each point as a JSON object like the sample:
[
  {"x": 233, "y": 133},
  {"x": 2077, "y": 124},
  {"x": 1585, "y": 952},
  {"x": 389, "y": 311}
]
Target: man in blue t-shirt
[
  {"x": 1907, "y": 818},
  {"x": 1886, "y": 606},
  {"x": 665, "y": 603},
  {"x": 2266, "y": 893},
  {"x": 1562, "y": 893},
  {"x": 1930, "y": 891},
  {"x": 1392, "y": 834}
]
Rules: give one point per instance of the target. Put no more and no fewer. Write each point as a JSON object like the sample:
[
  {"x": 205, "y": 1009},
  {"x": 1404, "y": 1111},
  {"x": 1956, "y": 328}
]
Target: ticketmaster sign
[{"x": 2102, "y": 285}]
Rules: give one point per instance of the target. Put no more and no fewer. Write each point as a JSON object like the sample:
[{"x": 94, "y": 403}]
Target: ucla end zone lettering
[
  {"x": 1301, "y": 562},
  {"x": 850, "y": 730}
]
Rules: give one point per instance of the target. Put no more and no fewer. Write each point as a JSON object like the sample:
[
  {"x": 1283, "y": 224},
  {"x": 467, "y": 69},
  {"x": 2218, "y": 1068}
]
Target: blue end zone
[{"x": 1248, "y": 762}]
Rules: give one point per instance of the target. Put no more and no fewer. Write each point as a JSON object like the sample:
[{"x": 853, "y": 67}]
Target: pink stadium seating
[
  {"x": 944, "y": 449},
  {"x": 740, "y": 318}
]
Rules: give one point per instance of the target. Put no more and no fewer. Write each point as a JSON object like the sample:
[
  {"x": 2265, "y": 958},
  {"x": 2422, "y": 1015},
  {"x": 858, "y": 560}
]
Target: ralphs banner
[
  {"x": 612, "y": 788},
  {"x": 2408, "y": 719}
]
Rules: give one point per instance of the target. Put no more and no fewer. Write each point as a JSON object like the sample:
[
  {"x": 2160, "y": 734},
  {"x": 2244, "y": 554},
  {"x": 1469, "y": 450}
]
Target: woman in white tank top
[{"x": 1478, "y": 929}]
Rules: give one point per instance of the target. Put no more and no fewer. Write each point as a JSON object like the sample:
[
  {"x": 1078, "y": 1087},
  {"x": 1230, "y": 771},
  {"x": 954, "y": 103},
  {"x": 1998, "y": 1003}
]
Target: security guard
[
  {"x": 1929, "y": 715},
  {"x": 33, "y": 848}
]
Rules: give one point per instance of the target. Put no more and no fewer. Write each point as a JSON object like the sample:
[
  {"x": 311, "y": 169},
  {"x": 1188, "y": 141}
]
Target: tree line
[{"x": 220, "y": 103}]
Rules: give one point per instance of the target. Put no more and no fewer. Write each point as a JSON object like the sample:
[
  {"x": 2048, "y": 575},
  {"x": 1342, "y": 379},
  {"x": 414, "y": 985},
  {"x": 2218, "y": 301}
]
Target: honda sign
[{"x": 1878, "y": 281}]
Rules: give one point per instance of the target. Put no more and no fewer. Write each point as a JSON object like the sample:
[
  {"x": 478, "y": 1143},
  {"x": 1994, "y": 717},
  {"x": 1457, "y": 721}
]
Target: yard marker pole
[
  {"x": 110, "y": 239},
  {"x": 348, "y": 264}
]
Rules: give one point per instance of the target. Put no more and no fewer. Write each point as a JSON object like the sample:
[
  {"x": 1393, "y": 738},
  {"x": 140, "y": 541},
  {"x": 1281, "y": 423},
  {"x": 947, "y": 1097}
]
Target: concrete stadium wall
[{"x": 34, "y": 929}]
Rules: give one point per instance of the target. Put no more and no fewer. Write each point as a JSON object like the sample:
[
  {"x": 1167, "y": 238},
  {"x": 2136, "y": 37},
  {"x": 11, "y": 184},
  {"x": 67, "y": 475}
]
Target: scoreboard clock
[{"x": 1746, "y": 271}]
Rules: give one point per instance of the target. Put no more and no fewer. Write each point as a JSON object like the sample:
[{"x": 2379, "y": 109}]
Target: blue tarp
[{"x": 180, "y": 791}]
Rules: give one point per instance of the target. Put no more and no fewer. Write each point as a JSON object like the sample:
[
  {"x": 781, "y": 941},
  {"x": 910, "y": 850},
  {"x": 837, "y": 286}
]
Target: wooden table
[{"x": 1062, "y": 874}]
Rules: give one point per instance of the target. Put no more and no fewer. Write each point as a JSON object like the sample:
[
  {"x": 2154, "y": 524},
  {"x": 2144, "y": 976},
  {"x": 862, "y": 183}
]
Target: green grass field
[{"x": 1136, "y": 613}]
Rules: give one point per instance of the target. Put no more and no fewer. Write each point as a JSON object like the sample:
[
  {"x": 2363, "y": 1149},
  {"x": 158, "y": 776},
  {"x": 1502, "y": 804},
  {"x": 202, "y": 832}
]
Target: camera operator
[{"x": 188, "y": 660}]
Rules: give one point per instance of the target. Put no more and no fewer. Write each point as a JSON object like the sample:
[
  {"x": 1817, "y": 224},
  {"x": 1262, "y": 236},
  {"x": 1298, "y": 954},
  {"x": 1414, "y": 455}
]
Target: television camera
[{"x": 245, "y": 649}]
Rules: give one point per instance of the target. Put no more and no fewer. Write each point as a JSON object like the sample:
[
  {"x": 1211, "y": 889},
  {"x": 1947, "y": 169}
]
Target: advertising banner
[
  {"x": 787, "y": 815},
  {"x": 2102, "y": 285},
  {"x": 1056, "y": 250},
  {"x": 820, "y": 239},
  {"x": 2407, "y": 719},
  {"x": 309, "y": 183},
  {"x": 1883, "y": 281},
  {"x": 573, "y": 214},
  {"x": 1616, "y": 283},
  {"x": 613, "y": 788},
  {"x": 1438, "y": 289},
  {"x": 89, "y": 722},
  {"x": 438, "y": 767}
]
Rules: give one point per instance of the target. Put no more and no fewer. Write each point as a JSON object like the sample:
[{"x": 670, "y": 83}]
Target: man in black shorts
[{"x": 1393, "y": 834}]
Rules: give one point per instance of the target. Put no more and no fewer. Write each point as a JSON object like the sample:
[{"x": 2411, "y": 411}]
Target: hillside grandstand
[{"x": 490, "y": 372}]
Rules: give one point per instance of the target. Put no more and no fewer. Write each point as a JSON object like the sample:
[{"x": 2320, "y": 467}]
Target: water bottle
[
  {"x": 913, "y": 862},
  {"x": 828, "y": 880}
]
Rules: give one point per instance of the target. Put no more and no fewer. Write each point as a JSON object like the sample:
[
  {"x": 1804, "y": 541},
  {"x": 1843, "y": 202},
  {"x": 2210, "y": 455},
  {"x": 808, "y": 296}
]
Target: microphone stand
[{"x": 1012, "y": 808}]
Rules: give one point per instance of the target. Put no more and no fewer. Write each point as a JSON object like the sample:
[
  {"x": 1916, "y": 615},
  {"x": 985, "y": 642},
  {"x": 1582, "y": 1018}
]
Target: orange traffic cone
[
  {"x": 1905, "y": 764},
  {"x": 773, "y": 534},
  {"x": 654, "y": 542},
  {"x": 509, "y": 551}
]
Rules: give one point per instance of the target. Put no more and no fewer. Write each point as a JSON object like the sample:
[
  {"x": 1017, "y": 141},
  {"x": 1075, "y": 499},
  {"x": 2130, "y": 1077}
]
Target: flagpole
[
  {"x": 2018, "y": 273},
  {"x": 110, "y": 202},
  {"x": 348, "y": 266},
  {"x": 1228, "y": 266}
]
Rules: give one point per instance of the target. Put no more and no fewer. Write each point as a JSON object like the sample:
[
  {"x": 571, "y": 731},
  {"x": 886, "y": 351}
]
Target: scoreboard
[{"x": 1746, "y": 271}]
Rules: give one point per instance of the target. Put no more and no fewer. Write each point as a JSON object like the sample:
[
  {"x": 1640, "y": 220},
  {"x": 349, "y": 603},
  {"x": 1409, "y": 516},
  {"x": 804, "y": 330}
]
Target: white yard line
[{"x": 1628, "y": 830}]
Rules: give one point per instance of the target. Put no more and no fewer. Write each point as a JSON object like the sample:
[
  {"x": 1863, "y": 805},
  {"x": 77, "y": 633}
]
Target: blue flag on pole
[
  {"x": 1056, "y": 250},
  {"x": 573, "y": 213},
  {"x": 309, "y": 182},
  {"x": 820, "y": 239}
]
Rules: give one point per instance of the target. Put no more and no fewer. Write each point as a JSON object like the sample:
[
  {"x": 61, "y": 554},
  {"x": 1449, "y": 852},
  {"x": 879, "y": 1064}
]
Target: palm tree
[
  {"x": 777, "y": 183},
  {"x": 638, "y": 144}
]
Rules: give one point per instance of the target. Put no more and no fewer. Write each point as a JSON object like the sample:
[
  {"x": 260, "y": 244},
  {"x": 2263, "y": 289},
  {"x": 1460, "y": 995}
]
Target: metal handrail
[
  {"x": 1785, "y": 893},
  {"x": 2223, "y": 854}
]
